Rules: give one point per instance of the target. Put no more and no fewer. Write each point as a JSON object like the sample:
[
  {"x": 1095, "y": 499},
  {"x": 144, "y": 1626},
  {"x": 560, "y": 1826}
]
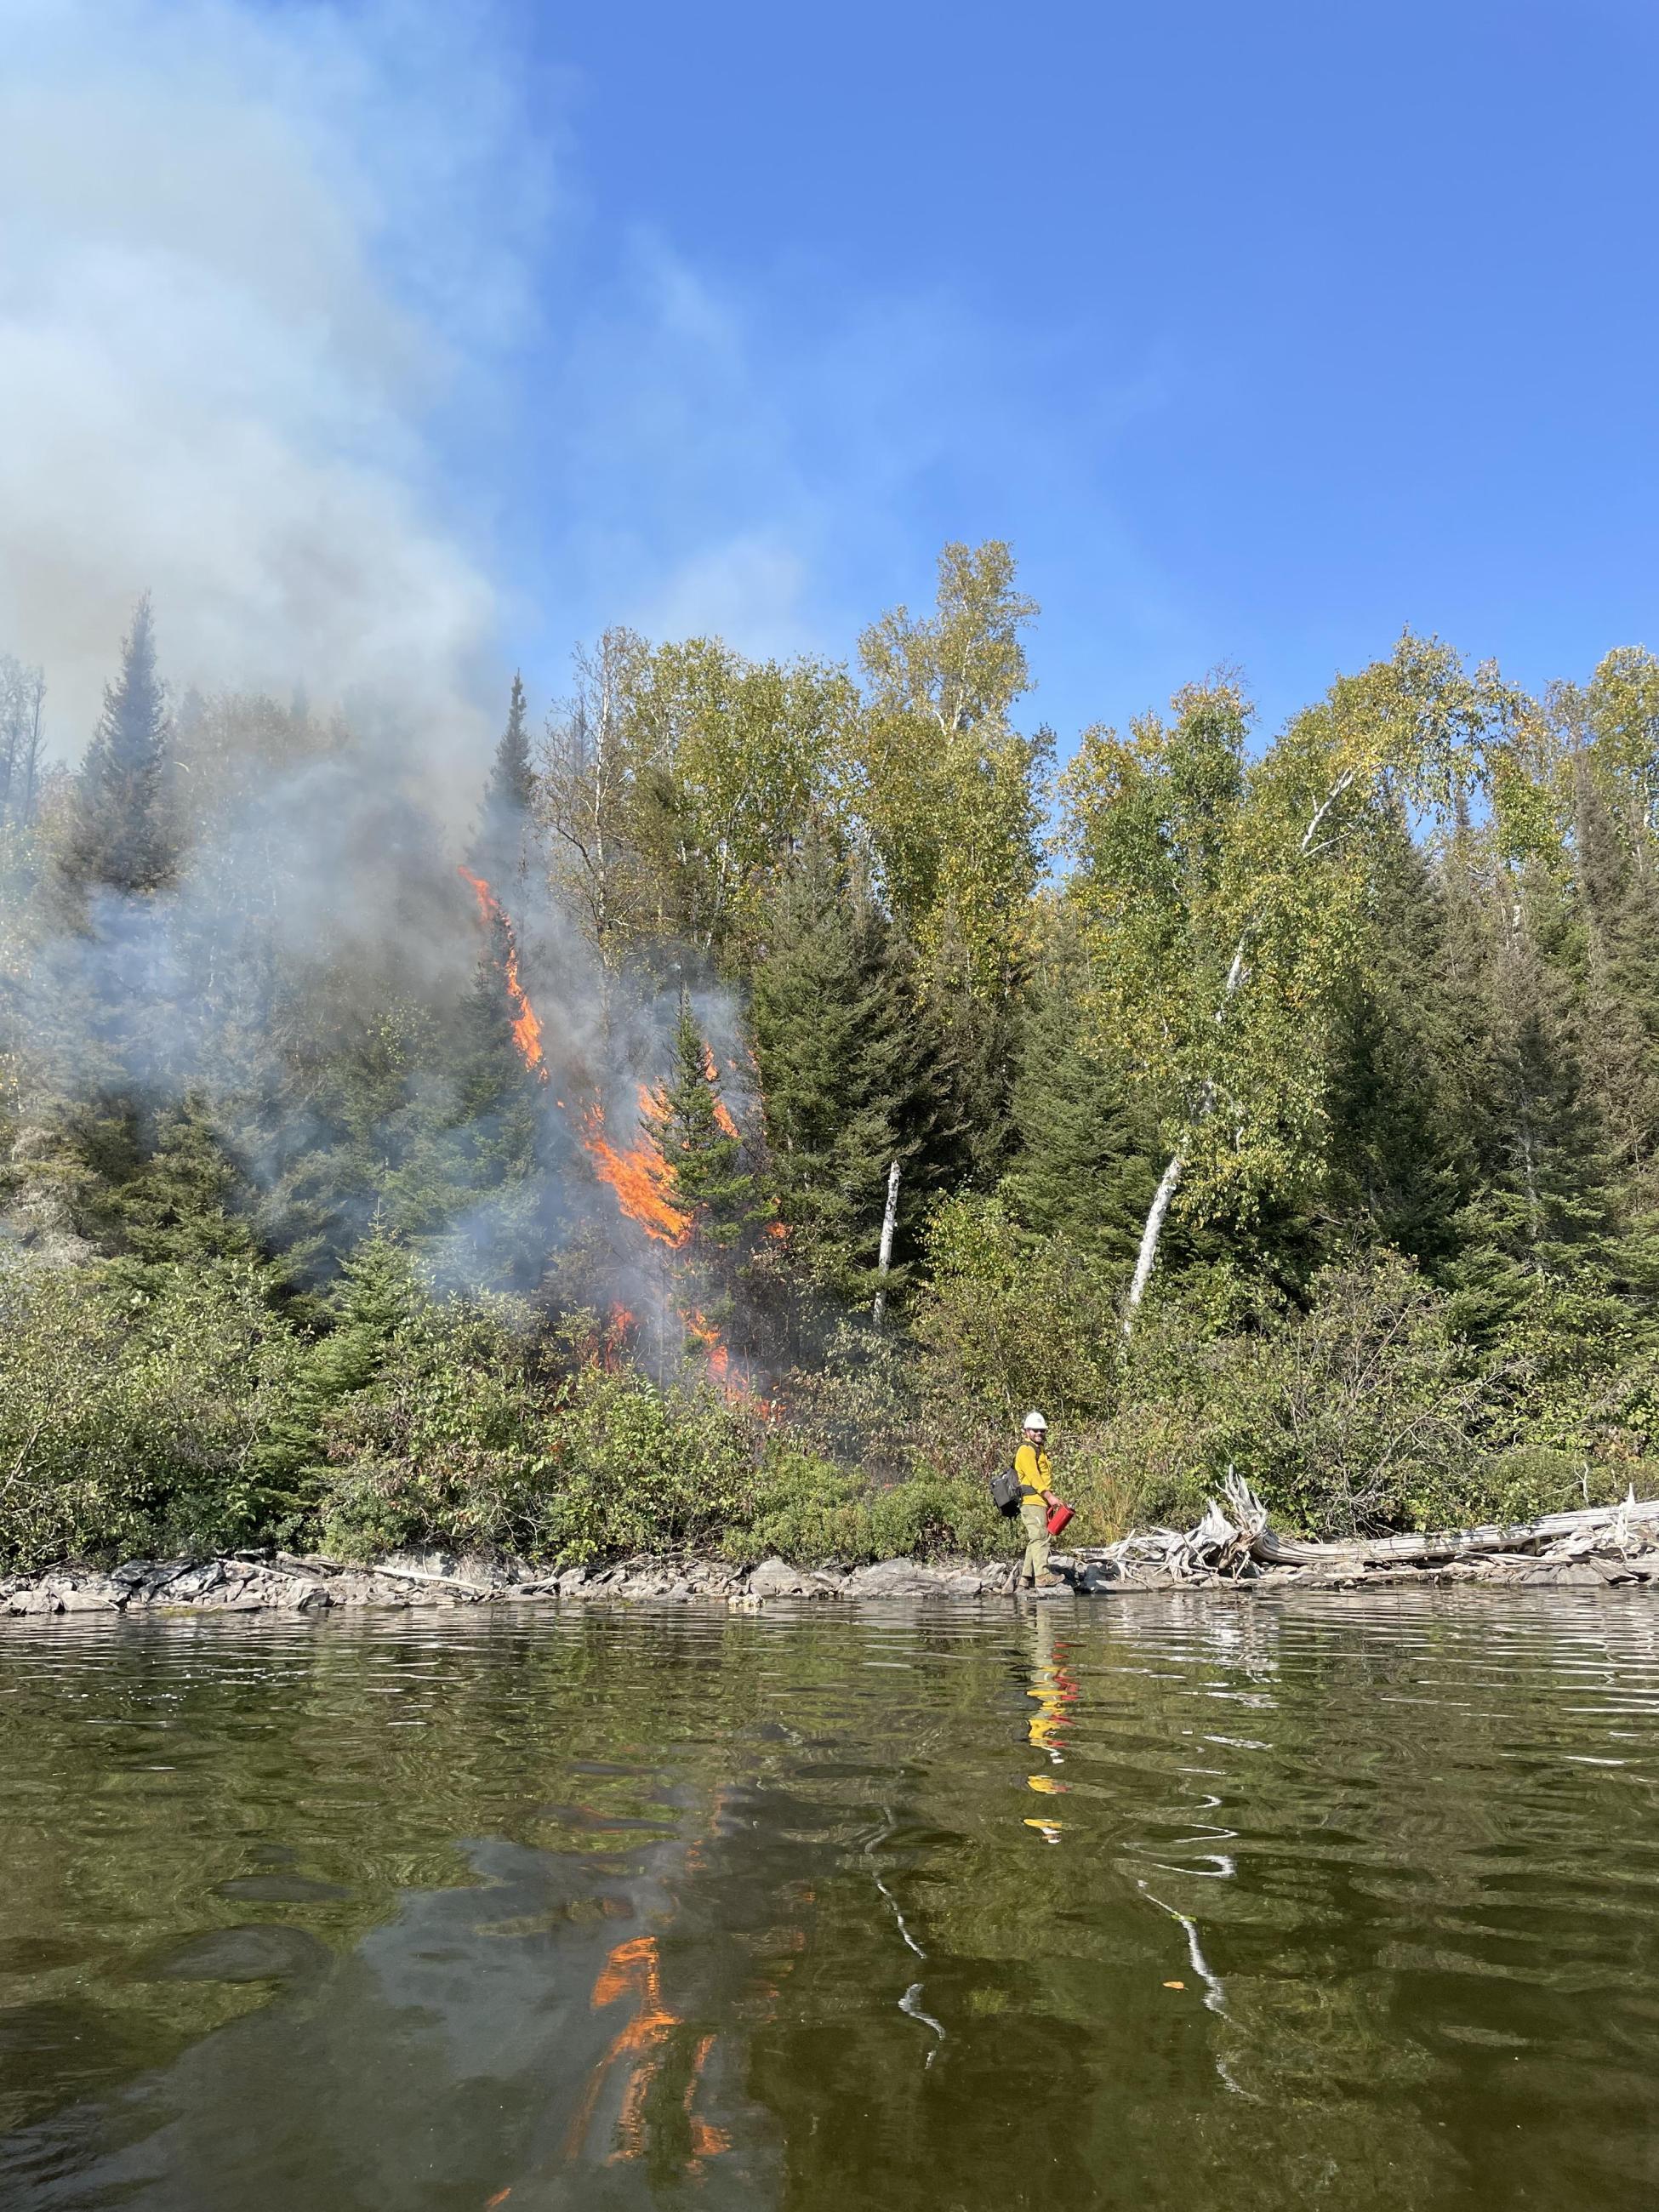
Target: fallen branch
[
  {"x": 1233, "y": 1541},
  {"x": 1450, "y": 1543},
  {"x": 390, "y": 1574}
]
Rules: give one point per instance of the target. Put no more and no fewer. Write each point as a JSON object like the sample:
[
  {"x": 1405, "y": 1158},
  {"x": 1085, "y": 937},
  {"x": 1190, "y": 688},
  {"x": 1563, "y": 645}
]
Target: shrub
[
  {"x": 128, "y": 1419},
  {"x": 804, "y": 1509},
  {"x": 1009, "y": 1321}
]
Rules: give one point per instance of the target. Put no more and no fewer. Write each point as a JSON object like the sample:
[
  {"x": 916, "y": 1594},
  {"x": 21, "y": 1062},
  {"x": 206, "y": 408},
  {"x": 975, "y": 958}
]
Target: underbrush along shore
[{"x": 1233, "y": 1546}]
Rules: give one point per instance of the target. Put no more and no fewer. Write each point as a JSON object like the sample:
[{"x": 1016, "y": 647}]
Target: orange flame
[
  {"x": 527, "y": 1027},
  {"x": 711, "y": 1076},
  {"x": 720, "y": 1357},
  {"x": 641, "y": 1180}
]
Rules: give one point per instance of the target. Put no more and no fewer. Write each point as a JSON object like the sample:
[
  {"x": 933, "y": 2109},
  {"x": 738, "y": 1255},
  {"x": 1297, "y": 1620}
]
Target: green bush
[
  {"x": 1009, "y": 1321},
  {"x": 129, "y": 1419},
  {"x": 640, "y": 1469},
  {"x": 804, "y": 1509},
  {"x": 1532, "y": 1479},
  {"x": 1365, "y": 1413}
]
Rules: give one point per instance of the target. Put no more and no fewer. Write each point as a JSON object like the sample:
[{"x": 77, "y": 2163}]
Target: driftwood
[
  {"x": 320, "y": 1569},
  {"x": 1617, "y": 1521},
  {"x": 1234, "y": 1542}
]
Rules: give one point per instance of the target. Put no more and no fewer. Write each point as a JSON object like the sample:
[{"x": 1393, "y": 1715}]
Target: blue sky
[
  {"x": 1260, "y": 332},
  {"x": 391, "y": 342}
]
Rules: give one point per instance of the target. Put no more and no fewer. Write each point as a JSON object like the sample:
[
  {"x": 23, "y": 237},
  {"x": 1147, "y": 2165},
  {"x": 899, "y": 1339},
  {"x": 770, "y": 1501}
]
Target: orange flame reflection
[{"x": 633, "y": 1969}]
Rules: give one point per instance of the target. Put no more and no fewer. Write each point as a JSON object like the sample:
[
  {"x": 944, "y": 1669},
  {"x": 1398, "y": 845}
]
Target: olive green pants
[{"x": 1034, "y": 1520}]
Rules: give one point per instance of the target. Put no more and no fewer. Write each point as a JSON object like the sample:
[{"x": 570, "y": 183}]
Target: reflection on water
[{"x": 1166, "y": 1902}]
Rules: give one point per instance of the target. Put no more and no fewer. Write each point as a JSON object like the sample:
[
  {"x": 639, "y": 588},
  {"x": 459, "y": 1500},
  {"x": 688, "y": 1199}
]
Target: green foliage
[
  {"x": 842, "y": 1066},
  {"x": 678, "y": 780},
  {"x": 501, "y": 849},
  {"x": 951, "y": 793},
  {"x": 379, "y": 1297},
  {"x": 1083, "y": 1152},
  {"x": 1012, "y": 1321},
  {"x": 1373, "y": 1006},
  {"x": 130, "y": 1418},
  {"x": 121, "y": 835}
]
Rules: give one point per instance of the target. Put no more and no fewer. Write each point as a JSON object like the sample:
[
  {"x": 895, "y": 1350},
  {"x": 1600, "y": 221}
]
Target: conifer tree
[
  {"x": 1619, "y": 906},
  {"x": 695, "y": 1139},
  {"x": 832, "y": 1013},
  {"x": 1082, "y": 1162},
  {"x": 182, "y": 1205},
  {"x": 379, "y": 1293},
  {"x": 121, "y": 837},
  {"x": 501, "y": 849},
  {"x": 1543, "y": 1213},
  {"x": 1400, "y": 1150},
  {"x": 493, "y": 1139}
]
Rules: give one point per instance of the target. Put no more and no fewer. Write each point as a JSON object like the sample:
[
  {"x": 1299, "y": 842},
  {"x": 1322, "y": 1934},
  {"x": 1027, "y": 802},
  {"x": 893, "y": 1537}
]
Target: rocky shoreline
[
  {"x": 288, "y": 1582},
  {"x": 280, "y": 1581}
]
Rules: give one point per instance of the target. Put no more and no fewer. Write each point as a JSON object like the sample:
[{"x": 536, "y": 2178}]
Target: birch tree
[
  {"x": 1224, "y": 898},
  {"x": 951, "y": 793}
]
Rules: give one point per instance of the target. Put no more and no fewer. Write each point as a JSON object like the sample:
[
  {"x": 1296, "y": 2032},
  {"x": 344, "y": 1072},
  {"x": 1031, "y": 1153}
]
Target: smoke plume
[{"x": 248, "y": 259}]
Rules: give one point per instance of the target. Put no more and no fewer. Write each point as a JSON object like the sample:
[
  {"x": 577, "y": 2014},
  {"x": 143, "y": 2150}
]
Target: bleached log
[
  {"x": 1456, "y": 1543},
  {"x": 287, "y": 1564}
]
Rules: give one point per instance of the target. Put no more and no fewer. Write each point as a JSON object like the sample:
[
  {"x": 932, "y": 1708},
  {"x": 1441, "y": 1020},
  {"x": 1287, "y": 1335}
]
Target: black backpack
[{"x": 1005, "y": 1488}]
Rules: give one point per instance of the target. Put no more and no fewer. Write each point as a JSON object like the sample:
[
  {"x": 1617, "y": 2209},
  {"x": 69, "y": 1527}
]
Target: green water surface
[{"x": 1176, "y": 1901}]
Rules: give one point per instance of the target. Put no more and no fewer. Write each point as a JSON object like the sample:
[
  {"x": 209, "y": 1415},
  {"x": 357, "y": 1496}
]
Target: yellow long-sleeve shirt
[{"x": 1034, "y": 1470}]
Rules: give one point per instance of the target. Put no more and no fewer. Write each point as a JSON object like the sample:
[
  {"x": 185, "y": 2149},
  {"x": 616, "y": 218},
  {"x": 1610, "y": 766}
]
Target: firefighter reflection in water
[{"x": 1054, "y": 1688}]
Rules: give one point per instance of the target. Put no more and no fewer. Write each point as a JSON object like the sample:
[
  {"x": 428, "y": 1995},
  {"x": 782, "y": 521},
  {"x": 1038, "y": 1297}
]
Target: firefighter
[{"x": 1035, "y": 1474}]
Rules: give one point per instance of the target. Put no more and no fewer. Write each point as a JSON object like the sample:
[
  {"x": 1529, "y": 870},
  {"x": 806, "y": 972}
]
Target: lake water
[{"x": 1179, "y": 1901}]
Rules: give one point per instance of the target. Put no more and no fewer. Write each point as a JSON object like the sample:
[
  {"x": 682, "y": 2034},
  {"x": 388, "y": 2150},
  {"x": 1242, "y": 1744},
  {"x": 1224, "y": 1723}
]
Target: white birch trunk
[
  {"x": 1169, "y": 1182},
  {"x": 889, "y": 1224}
]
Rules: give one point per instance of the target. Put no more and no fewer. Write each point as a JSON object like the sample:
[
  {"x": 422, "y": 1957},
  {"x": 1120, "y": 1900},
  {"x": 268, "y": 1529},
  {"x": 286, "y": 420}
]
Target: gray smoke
[{"x": 248, "y": 258}]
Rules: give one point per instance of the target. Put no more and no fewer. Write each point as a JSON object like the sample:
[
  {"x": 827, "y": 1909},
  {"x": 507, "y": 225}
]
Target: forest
[{"x": 713, "y": 1125}]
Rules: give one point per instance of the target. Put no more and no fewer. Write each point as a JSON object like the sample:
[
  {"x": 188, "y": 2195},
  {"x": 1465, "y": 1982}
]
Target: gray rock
[
  {"x": 33, "y": 1598},
  {"x": 194, "y": 1583},
  {"x": 774, "y": 1578},
  {"x": 92, "y": 1593},
  {"x": 899, "y": 1579}
]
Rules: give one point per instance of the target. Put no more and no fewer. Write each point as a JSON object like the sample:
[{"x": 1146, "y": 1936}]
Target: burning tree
[{"x": 692, "y": 1131}]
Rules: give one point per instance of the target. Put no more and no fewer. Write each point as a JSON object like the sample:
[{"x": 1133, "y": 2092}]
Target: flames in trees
[
  {"x": 527, "y": 1027},
  {"x": 637, "y": 1175},
  {"x": 640, "y": 1176},
  {"x": 720, "y": 1357}
]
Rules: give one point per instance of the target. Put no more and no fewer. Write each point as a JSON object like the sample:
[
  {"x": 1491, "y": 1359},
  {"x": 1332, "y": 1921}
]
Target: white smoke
[{"x": 247, "y": 259}]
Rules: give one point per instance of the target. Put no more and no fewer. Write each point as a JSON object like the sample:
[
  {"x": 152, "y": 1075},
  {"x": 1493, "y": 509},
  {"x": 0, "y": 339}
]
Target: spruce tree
[
  {"x": 501, "y": 849},
  {"x": 1401, "y": 1144},
  {"x": 1083, "y": 1161},
  {"x": 121, "y": 837},
  {"x": 493, "y": 1140},
  {"x": 379, "y": 1293},
  {"x": 1617, "y": 896},
  {"x": 184, "y": 1203},
  {"x": 839, "y": 1052},
  {"x": 695, "y": 1137},
  {"x": 1543, "y": 1215}
]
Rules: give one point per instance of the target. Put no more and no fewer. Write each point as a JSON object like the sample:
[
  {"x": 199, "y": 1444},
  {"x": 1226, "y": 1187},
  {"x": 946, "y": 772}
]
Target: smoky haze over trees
[{"x": 371, "y": 1176}]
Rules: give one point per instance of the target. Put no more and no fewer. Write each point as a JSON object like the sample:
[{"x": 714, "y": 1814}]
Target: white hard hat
[{"x": 1035, "y": 1420}]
